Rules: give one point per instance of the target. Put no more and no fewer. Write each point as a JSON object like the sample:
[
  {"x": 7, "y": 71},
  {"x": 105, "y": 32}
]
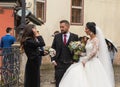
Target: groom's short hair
[{"x": 64, "y": 21}]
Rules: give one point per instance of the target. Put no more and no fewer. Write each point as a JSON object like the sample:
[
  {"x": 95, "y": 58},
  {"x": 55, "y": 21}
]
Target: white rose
[{"x": 52, "y": 52}]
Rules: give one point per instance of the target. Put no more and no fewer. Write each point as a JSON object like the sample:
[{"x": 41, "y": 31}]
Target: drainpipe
[
  {"x": 23, "y": 23},
  {"x": 23, "y": 13},
  {"x": 34, "y": 10}
]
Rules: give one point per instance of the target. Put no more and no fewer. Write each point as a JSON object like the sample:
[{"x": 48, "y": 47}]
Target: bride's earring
[{"x": 91, "y": 33}]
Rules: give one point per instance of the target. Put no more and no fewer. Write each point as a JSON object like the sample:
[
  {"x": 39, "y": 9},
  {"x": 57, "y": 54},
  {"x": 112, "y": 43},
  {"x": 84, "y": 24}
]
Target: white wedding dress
[{"x": 92, "y": 75}]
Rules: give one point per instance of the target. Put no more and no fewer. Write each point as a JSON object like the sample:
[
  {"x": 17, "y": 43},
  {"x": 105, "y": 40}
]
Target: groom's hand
[
  {"x": 46, "y": 53},
  {"x": 54, "y": 63}
]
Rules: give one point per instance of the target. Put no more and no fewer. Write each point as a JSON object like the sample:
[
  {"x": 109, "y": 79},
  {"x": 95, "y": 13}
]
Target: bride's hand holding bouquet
[{"x": 77, "y": 48}]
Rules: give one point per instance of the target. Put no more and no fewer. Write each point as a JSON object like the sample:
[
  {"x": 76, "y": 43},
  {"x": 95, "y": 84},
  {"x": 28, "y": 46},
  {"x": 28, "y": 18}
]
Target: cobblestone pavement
[
  {"x": 117, "y": 75},
  {"x": 47, "y": 75},
  {"x": 47, "y": 72}
]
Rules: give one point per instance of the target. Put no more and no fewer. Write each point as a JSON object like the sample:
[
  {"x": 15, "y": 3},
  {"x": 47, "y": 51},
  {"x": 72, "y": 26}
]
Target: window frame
[
  {"x": 44, "y": 17},
  {"x": 82, "y": 13}
]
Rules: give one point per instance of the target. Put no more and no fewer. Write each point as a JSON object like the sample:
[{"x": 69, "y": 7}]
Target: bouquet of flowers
[
  {"x": 50, "y": 51},
  {"x": 76, "y": 47}
]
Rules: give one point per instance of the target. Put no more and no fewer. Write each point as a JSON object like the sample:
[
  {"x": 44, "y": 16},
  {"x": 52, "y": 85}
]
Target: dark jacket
[
  {"x": 32, "y": 70},
  {"x": 58, "y": 46},
  {"x": 32, "y": 47}
]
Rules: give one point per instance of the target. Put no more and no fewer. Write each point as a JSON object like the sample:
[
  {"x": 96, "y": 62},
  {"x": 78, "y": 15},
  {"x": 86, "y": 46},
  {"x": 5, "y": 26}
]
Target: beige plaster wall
[{"x": 104, "y": 12}]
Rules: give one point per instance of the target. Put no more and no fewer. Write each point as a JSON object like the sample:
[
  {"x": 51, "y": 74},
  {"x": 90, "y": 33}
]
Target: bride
[{"x": 94, "y": 69}]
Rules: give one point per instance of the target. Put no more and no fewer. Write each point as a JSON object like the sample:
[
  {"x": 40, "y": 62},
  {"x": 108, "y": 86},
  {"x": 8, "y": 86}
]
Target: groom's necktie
[{"x": 65, "y": 39}]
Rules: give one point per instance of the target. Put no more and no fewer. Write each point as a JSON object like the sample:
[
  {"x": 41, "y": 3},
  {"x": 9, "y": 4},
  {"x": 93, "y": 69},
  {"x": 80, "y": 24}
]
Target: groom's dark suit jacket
[{"x": 63, "y": 53}]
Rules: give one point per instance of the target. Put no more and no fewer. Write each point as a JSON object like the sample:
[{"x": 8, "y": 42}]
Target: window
[
  {"x": 77, "y": 12},
  {"x": 41, "y": 9}
]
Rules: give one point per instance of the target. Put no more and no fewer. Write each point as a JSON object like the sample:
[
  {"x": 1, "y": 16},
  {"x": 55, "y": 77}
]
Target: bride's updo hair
[{"x": 91, "y": 26}]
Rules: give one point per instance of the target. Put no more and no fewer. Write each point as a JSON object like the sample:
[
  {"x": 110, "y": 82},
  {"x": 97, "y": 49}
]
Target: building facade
[
  {"x": 6, "y": 17},
  {"x": 105, "y": 13}
]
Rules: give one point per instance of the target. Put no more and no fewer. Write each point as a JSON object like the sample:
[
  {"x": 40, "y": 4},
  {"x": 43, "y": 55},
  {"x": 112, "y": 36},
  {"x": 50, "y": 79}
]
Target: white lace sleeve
[
  {"x": 94, "y": 51},
  {"x": 95, "y": 44},
  {"x": 83, "y": 54}
]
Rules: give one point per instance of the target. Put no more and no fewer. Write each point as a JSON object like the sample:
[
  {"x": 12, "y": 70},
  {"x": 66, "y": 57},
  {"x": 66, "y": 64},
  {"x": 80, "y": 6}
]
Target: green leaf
[{"x": 76, "y": 57}]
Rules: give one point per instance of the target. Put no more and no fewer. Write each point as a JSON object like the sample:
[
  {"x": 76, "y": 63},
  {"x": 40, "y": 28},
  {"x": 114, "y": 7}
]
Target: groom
[{"x": 63, "y": 58}]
